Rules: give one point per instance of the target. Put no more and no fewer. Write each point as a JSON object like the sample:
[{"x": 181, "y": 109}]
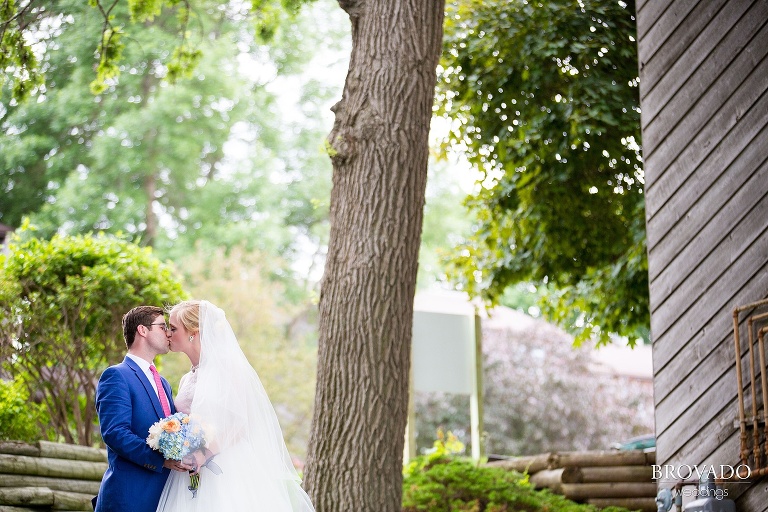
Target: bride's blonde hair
[{"x": 188, "y": 313}]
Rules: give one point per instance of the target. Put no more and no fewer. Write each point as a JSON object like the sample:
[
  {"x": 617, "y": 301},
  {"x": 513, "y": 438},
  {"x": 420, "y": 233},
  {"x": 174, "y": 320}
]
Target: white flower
[{"x": 153, "y": 439}]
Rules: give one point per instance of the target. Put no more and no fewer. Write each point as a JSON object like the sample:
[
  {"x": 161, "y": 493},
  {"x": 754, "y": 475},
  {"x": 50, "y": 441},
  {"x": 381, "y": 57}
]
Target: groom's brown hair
[{"x": 140, "y": 315}]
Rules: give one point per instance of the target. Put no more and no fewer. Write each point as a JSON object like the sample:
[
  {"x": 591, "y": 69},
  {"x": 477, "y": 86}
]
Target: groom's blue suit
[{"x": 127, "y": 406}]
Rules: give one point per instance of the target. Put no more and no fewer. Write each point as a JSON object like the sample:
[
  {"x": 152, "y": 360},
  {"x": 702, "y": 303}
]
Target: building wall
[{"x": 704, "y": 99}]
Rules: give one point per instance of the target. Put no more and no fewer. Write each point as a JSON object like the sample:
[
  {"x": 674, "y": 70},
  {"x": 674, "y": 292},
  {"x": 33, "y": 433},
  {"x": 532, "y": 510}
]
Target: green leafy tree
[
  {"x": 20, "y": 29},
  {"x": 145, "y": 152},
  {"x": 26, "y": 25},
  {"x": 379, "y": 154},
  {"x": 62, "y": 302},
  {"x": 544, "y": 100},
  {"x": 137, "y": 151}
]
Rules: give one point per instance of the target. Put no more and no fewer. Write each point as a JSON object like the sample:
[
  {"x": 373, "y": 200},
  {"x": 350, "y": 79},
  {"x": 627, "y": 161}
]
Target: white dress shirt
[{"x": 144, "y": 365}]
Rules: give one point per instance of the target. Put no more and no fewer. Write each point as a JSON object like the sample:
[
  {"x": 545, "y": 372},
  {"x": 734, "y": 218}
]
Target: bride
[{"x": 250, "y": 469}]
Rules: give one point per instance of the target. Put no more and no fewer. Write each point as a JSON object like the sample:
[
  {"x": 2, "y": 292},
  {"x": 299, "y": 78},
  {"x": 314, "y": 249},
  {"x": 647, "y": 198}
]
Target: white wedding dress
[{"x": 226, "y": 396}]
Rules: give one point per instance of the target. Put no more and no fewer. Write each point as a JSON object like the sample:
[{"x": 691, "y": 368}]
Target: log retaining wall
[
  {"x": 47, "y": 476},
  {"x": 600, "y": 478}
]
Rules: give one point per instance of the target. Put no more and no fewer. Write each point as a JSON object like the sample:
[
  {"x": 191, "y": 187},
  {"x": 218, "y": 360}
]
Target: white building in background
[
  {"x": 622, "y": 361},
  {"x": 614, "y": 360},
  {"x": 618, "y": 379}
]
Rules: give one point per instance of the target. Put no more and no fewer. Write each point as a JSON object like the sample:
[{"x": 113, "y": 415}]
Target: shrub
[
  {"x": 440, "y": 483},
  {"x": 20, "y": 419},
  {"x": 61, "y": 306}
]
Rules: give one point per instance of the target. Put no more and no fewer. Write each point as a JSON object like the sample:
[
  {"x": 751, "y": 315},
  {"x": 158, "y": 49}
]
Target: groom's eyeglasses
[{"x": 164, "y": 326}]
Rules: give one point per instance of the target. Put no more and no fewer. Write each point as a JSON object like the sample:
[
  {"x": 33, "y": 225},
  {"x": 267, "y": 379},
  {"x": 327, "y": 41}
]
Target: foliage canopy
[
  {"x": 25, "y": 25},
  {"x": 544, "y": 100},
  {"x": 61, "y": 305},
  {"x": 149, "y": 159}
]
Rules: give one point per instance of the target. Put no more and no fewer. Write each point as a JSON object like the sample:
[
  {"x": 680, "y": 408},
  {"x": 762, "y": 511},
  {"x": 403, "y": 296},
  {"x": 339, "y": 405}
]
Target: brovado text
[{"x": 686, "y": 471}]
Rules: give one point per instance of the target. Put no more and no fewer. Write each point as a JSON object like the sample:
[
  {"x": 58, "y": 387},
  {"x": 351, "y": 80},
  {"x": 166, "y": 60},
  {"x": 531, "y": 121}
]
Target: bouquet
[{"x": 176, "y": 437}]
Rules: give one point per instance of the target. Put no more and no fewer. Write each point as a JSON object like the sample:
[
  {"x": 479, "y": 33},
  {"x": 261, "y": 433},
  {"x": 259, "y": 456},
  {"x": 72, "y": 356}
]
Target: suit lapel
[{"x": 147, "y": 386}]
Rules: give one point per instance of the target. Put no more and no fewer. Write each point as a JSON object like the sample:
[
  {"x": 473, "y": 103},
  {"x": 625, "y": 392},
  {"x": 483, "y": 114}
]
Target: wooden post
[
  {"x": 601, "y": 458},
  {"x": 27, "y": 496},
  {"x": 641, "y": 504},
  {"x": 409, "y": 451},
  {"x": 552, "y": 479},
  {"x": 530, "y": 464},
  {"x": 764, "y": 382},
  {"x": 55, "y": 484},
  {"x": 579, "y": 492},
  {"x": 755, "y": 417},
  {"x": 743, "y": 451},
  {"x": 592, "y": 475},
  {"x": 80, "y": 470},
  {"x": 476, "y": 398},
  {"x": 71, "y": 452},
  {"x": 19, "y": 448}
]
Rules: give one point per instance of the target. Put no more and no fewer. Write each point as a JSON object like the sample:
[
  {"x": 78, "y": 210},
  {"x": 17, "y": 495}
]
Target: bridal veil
[{"x": 242, "y": 428}]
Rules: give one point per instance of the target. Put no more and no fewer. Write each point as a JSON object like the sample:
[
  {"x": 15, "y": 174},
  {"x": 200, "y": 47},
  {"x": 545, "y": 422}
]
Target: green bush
[
  {"x": 61, "y": 306},
  {"x": 440, "y": 483},
  {"x": 20, "y": 419}
]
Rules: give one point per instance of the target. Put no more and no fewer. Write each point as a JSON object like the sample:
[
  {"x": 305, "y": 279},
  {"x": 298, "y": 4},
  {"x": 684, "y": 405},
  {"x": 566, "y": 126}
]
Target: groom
[{"x": 131, "y": 396}]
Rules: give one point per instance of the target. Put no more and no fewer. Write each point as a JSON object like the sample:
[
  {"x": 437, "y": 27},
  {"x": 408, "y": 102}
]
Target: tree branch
[{"x": 353, "y": 7}]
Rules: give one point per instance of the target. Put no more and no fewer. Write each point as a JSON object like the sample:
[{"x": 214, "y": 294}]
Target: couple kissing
[{"x": 221, "y": 393}]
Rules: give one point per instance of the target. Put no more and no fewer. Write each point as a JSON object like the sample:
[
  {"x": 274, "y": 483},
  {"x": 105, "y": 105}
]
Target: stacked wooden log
[
  {"x": 600, "y": 478},
  {"x": 49, "y": 476}
]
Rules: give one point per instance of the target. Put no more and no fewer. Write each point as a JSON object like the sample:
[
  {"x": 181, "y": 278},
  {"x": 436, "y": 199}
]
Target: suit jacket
[{"x": 127, "y": 406}]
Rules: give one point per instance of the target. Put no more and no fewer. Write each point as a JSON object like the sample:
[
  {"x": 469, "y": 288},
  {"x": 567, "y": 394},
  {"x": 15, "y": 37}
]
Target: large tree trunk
[{"x": 379, "y": 149}]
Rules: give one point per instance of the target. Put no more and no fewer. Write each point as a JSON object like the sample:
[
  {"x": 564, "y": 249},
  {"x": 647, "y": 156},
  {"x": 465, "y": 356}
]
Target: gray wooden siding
[{"x": 704, "y": 100}]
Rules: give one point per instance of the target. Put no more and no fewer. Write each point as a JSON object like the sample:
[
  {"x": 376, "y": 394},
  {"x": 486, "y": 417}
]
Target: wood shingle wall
[{"x": 704, "y": 100}]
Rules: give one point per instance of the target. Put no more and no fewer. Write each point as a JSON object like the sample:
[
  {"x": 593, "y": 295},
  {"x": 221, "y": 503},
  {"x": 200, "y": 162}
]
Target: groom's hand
[{"x": 176, "y": 465}]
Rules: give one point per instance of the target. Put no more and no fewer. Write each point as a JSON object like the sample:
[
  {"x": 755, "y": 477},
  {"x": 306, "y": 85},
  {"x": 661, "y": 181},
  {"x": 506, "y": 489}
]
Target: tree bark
[{"x": 379, "y": 151}]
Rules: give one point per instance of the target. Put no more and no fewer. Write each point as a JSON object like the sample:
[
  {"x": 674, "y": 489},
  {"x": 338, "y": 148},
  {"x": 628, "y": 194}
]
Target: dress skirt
[{"x": 243, "y": 485}]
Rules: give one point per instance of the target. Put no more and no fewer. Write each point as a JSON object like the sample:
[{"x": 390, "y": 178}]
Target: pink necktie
[{"x": 160, "y": 391}]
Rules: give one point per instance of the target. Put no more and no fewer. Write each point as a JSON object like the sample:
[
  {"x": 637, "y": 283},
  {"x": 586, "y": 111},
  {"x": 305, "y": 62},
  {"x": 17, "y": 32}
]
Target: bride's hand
[{"x": 195, "y": 461}]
